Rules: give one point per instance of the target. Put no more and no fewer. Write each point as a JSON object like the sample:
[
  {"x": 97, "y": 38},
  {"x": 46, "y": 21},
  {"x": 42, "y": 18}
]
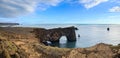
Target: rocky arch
[{"x": 55, "y": 34}]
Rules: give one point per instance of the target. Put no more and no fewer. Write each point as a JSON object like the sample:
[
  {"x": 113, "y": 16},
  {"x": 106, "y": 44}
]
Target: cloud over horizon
[
  {"x": 15, "y": 8},
  {"x": 115, "y": 9},
  {"x": 91, "y": 3}
]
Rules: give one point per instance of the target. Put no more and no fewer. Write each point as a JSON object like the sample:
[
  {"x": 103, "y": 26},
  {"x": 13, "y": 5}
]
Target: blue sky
[{"x": 60, "y": 11}]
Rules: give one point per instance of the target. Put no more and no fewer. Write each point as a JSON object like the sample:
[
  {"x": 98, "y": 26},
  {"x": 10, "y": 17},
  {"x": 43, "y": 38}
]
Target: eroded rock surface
[
  {"x": 54, "y": 35},
  {"x": 20, "y": 43}
]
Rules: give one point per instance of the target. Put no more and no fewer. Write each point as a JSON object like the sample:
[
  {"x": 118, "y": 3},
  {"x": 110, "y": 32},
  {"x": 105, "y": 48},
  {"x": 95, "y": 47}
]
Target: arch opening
[{"x": 63, "y": 40}]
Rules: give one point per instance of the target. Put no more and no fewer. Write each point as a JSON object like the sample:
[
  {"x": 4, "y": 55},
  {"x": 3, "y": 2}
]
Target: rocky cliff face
[
  {"x": 54, "y": 35},
  {"x": 20, "y": 43}
]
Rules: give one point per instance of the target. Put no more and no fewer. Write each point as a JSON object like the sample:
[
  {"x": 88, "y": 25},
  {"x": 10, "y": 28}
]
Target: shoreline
[{"x": 24, "y": 39}]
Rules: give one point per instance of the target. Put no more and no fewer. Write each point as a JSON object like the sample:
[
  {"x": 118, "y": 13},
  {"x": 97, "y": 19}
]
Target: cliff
[
  {"x": 100, "y": 50},
  {"x": 19, "y": 42}
]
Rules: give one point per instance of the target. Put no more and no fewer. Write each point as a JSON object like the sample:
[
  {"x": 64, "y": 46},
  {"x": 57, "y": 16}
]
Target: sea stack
[{"x": 108, "y": 29}]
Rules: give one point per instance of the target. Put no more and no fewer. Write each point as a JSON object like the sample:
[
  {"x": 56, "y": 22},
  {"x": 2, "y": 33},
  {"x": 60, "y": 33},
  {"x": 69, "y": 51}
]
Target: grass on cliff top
[
  {"x": 52, "y": 50},
  {"x": 7, "y": 44},
  {"x": 115, "y": 47}
]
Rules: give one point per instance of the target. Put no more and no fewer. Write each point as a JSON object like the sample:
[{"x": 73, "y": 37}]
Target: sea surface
[{"x": 90, "y": 34}]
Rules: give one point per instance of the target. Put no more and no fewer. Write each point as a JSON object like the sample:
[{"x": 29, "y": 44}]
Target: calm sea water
[{"x": 89, "y": 34}]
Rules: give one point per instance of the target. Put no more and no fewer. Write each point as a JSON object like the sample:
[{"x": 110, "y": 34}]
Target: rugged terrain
[{"x": 18, "y": 42}]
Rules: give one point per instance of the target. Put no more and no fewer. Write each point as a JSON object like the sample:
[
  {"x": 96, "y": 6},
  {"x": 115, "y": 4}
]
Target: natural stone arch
[{"x": 55, "y": 34}]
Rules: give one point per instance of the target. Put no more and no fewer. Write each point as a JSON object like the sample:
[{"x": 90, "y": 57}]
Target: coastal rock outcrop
[
  {"x": 55, "y": 34},
  {"x": 20, "y": 43}
]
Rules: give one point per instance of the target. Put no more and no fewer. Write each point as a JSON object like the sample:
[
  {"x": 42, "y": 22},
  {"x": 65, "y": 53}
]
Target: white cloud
[
  {"x": 72, "y": 1},
  {"x": 14, "y": 8},
  {"x": 44, "y": 4},
  {"x": 115, "y": 9},
  {"x": 91, "y": 3}
]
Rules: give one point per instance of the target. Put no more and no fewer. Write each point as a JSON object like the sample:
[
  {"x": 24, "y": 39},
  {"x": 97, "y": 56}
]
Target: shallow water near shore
[{"x": 90, "y": 34}]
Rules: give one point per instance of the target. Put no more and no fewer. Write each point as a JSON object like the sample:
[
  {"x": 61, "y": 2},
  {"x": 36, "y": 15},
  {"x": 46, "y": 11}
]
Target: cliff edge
[{"x": 18, "y": 42}]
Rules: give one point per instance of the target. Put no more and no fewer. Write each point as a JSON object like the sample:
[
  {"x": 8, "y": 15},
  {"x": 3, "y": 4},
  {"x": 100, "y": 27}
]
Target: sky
[{"x": 60, "y": 11}]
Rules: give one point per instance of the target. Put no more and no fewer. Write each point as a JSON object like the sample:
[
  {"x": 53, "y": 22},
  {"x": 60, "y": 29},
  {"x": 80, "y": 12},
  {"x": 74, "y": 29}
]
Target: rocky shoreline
[{"x": 19, "y": 42}]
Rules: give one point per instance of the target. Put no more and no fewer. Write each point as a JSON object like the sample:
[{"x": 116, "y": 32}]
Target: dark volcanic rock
[{"x": 55, "y": 34}]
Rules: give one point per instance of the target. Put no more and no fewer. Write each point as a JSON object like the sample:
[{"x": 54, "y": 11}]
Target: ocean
[{"x": 90, "y": 34}]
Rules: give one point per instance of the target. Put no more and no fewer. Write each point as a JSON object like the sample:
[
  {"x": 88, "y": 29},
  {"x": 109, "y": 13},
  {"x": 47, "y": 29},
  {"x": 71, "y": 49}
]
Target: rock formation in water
[{"x": 55, "y": 34}]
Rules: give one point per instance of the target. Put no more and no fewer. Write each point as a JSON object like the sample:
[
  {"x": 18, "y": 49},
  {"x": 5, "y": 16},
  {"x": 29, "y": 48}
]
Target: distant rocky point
[{"x": 9, "y": 23}]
